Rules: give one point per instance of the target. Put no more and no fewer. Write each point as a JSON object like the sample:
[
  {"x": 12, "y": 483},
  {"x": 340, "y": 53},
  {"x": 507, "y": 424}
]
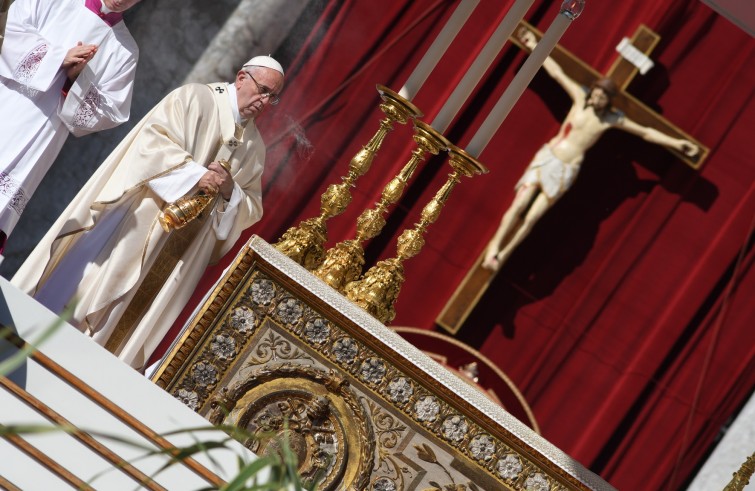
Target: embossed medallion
[{"x": 317, "y": 412}]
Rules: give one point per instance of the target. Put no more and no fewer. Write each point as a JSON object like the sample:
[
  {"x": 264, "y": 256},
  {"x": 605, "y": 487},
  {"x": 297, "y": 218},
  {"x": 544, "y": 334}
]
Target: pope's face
[
  {"x": 120, "y": 5},
  {"x": 257, "y": 88}
]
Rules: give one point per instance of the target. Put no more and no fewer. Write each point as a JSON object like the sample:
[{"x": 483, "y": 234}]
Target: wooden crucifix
[{"x": 556, "y": 165}]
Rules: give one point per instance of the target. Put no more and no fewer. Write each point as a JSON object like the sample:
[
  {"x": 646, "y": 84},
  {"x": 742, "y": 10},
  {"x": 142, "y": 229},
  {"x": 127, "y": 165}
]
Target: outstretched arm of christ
[
  {"x": 654, "y": 136},
  {"x": 553, "y": 69}
]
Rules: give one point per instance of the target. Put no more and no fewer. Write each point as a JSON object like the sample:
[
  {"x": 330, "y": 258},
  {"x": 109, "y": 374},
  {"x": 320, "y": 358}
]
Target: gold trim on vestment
[
  {"x": 167, "y": 259},
  {"x": 176, "y": 244}
]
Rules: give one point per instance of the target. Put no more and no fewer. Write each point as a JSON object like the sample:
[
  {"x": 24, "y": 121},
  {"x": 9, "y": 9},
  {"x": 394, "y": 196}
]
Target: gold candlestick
[
  {"x": 741, "y": 478},
  {"x": 378, "y": 289},
  {"x": 343, "y": 263},
  {"x": 304, "y": 244}
]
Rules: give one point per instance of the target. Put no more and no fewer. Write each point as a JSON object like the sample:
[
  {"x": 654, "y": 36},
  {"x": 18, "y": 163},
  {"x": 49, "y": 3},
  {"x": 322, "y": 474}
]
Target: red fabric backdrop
[{"x": 626, "y": 317}]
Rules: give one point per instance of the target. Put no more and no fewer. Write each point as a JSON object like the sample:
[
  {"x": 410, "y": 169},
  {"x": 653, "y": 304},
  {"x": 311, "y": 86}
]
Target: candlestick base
[
  {"x": 342, "y": 265},
  {"x": 378, "y": 289},
  {"x": 304, "y": 244}
]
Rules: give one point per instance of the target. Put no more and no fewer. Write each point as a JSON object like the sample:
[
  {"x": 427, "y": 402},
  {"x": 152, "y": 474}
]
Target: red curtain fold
[{"x": 625, "y": 317}]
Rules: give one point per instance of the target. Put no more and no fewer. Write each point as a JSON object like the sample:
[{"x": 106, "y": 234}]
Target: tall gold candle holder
[
  {"x": 343, "y": 263},
  {"x": 741, "y": 478},
  {"x": 304, "y": 244},
  {"x": 377, "y": 291}
]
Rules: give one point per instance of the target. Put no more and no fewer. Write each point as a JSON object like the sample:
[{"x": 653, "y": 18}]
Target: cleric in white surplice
[
  {"x": 108, "y": 253},
  {"x": 67, "y": 66}
]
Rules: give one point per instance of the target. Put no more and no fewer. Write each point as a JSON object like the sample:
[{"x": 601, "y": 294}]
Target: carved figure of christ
[{"x": 532, "y": 200}]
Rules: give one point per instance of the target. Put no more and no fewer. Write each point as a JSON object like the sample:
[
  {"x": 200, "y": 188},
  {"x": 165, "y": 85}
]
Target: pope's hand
[
  {"x": 208, "y": 183},
  {"x": 224, "y": 180}
]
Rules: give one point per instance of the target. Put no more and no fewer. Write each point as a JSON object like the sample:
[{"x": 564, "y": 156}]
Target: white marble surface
[
  {"x": 130, "y": 391},
  {"x": 737, "y": 444}
]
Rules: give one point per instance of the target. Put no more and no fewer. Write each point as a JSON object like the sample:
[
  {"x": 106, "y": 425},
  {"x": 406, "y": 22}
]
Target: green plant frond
[
  {"x": 247, "y": 472},
  {"x": 126, "y": 441},
  {"x": 209, "y": 427},
  {"x": 213, "y": 461},
  {"x": 283, "y": 469},
  {"x": 18, "y": 358},
  {"x": 178, "y": 454},
  {"x": 31, "y": 429}
]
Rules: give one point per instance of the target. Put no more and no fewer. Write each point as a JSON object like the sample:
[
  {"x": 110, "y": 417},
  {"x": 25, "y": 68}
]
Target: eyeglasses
[{"x": 265, "y": 91}]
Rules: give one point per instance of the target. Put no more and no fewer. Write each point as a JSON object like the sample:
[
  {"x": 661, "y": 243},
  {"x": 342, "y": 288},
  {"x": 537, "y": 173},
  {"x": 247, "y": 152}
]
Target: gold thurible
[
  {"x": 304, "y": 244},
  {"x": 187, "y": 208},
  {"x": 343, "y": 263},
  {"x": 377, "y": 291}
]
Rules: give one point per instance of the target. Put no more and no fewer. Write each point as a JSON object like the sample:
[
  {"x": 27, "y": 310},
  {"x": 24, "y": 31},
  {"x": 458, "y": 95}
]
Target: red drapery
[{"x": 625, "y": 317}]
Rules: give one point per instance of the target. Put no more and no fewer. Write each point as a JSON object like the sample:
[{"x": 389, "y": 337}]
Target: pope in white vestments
[
  {"x": 128, "y": 278},
  {"x": 66, "y": 66}
]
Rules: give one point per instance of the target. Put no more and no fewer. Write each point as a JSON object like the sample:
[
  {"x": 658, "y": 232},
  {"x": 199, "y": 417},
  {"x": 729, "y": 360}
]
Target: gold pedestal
[
  {"x": 378, "y": 290},
  {"x": 304, "y": 244},
  {"x": 343, "y": 263}
]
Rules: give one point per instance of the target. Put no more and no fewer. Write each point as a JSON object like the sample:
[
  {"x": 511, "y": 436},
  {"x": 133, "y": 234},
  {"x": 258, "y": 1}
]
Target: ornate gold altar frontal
[{"x": 274, "y": 344}]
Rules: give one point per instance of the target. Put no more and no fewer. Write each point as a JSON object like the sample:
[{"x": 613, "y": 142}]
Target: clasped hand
[
  {"x": 77, "y": 58},
  {"x": 216, "y": 180}
]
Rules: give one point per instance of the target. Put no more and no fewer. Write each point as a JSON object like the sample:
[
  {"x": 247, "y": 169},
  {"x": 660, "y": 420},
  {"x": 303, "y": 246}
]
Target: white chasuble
[
  {"x": 35, "y": 116},
  {"x": 108, "y": 244}
]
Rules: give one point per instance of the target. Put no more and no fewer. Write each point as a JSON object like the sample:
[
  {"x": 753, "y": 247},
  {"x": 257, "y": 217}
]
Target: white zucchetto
[{"x": 266, "y": 61}]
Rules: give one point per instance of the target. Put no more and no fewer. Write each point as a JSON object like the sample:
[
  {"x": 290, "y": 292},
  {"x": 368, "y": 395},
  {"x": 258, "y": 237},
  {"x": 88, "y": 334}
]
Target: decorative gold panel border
[{"x": 264, "y": 284}]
